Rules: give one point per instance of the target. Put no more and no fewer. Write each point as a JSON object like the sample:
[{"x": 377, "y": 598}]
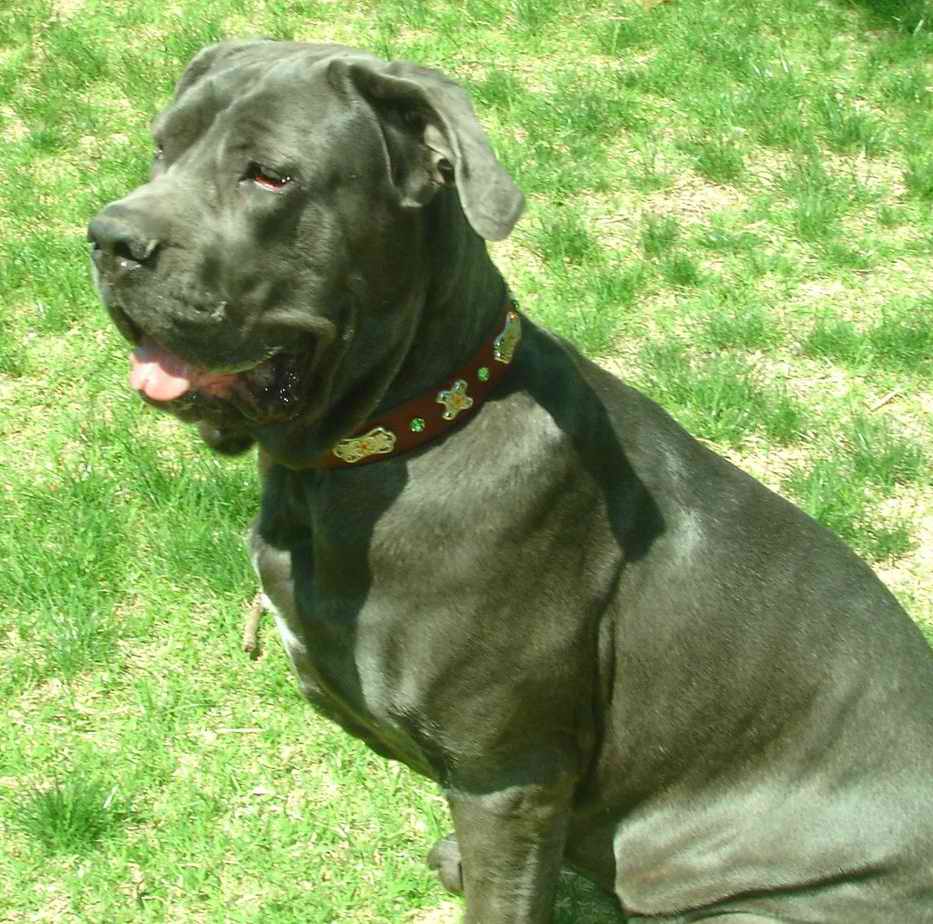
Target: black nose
[{"x": 120, "y": 240}]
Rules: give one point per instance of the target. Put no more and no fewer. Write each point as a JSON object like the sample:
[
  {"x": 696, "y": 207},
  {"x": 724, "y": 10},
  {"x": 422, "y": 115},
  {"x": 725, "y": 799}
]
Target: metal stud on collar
[
  {"x": 507, "y": 341},
  {"x": 378, "y": 441},
  {"x": 455, "y": 399}
]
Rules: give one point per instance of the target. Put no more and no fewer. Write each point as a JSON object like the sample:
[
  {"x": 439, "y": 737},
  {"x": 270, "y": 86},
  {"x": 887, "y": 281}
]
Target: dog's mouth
[
  {"x": 163, "y": 376},
  {"x": 268, "y": 391},
  {"x": 276, "y": 372}
]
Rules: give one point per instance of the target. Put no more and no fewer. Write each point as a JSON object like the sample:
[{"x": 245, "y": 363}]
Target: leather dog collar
[{"x": 434, "y": 412}]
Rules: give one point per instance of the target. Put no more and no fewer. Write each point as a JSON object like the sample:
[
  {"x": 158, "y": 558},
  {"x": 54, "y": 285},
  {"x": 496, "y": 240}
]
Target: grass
[
  {"x": 901, "y": 340},
  {"x": 721, "y": 397},
  {"x": 881, "y": 457},
  {"x": 729, "y": 204},
  {"x": 718, "y": 159},
  {"x": 71, "y": 817},
  {"x": 848, "y": 130},
  {"x": 658, "y": 235},
  {"x": 745, "y": 326},
  {"x": 827, "y": 491}
]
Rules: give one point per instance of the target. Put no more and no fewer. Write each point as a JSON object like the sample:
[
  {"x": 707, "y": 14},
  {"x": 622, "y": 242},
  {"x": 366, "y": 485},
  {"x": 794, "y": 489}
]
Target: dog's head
[{"x": 273, "y": 264}]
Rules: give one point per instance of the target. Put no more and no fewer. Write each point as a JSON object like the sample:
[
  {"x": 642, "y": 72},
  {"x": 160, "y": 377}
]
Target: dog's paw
[{"x": 445, "y": 858}]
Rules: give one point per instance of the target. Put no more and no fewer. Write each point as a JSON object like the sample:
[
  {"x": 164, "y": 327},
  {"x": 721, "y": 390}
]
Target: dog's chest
[
  {"x": 400, "y": 593},
  {"x": 340, "y": 629}
]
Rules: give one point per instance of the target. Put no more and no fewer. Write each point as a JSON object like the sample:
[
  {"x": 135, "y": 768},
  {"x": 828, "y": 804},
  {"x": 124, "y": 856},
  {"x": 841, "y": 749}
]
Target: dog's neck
[
  {"x": 463, "y": 304},
  {"x": 460, "y": 299}
]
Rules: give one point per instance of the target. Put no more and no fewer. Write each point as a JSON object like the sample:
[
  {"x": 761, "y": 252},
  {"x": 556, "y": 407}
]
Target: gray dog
[{"x": 489, "y": 558}]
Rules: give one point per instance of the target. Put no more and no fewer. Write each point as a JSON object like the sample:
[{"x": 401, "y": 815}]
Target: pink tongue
[{"x": 158, "y": 374}]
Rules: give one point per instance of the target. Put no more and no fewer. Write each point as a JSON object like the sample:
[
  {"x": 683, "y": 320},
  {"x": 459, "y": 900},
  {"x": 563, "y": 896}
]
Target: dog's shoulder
[{"x": 612, "y": 425}]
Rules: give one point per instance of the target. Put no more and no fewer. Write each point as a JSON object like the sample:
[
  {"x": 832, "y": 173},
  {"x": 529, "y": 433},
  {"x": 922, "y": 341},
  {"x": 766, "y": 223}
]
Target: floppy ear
[{"x": 434, "y": 140}]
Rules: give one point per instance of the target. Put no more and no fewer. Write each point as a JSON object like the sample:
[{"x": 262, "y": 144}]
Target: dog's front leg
[{"x": 511, "y": 846}]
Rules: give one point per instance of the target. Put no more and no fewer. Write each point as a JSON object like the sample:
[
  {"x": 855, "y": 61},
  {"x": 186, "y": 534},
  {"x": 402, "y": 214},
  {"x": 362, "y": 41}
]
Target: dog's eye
[{"x": 267, "y": 178}]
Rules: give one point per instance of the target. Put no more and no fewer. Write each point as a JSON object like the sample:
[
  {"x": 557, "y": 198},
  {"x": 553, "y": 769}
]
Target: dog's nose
[{"x": 117, "y": 239}]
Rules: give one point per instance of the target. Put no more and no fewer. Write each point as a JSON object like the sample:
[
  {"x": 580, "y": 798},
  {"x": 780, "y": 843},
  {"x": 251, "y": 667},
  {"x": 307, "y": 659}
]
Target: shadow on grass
[{"x": 911, "y": 16}]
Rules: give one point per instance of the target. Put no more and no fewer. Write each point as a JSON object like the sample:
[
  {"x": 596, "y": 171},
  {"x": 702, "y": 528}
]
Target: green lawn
[{"x": 729, "y": 205}]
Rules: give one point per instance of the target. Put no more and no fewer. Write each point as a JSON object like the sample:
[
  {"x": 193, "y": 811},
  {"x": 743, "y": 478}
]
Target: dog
[{"x": 489, "y": 558}]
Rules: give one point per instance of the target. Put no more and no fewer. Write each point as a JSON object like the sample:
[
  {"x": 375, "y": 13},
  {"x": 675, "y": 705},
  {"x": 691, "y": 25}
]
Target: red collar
[{"x": 434, "y": 412}]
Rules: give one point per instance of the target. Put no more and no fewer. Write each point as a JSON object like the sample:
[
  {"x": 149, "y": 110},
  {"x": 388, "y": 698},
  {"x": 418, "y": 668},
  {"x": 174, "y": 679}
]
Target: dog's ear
[{"x": 433, "y": 140}]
